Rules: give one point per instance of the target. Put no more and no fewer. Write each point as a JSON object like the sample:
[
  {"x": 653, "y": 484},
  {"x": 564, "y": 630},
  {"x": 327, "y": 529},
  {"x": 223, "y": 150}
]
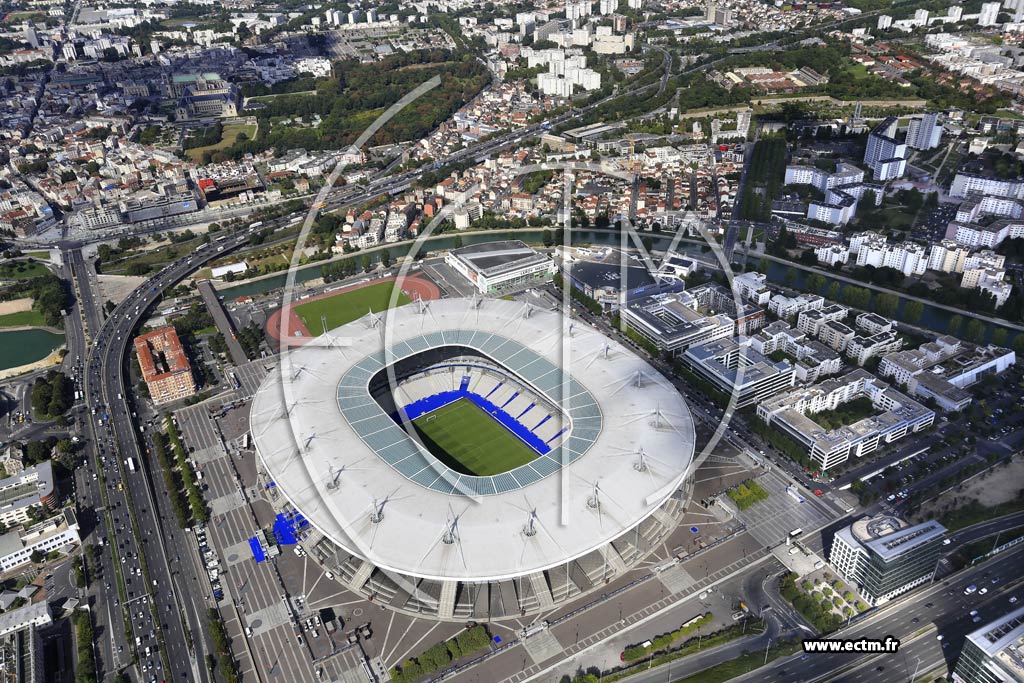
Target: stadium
[{"x": 473, "y": 459}]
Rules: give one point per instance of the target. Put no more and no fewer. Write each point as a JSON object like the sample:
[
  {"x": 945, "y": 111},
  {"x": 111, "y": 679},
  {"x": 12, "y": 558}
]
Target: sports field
[
  {"x": 468, "y": 440},
  {"x": 347, "y": 306}
]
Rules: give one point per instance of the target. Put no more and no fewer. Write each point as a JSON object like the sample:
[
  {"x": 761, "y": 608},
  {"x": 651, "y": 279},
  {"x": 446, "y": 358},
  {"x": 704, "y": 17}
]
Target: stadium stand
[{"x": 517, "y": 408}]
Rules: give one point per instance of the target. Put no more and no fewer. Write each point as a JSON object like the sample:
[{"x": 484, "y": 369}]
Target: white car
[{"x": 983, "y": 591}]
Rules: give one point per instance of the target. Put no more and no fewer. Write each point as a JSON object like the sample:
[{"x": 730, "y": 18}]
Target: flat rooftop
[
  {"x": 495, "y": 258},
  {"x": 1003, "y": 641}
]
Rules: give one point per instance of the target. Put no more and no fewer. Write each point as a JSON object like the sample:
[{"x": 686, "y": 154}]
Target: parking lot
[{"x": 284, "y": 614}]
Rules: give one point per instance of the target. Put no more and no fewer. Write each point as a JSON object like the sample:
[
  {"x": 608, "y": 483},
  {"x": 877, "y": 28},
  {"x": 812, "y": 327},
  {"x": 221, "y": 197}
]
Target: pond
[{"x": 21, "y": 347}]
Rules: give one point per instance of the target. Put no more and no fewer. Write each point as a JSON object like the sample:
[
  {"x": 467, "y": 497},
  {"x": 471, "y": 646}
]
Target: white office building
[
  {"x": 895, "y": 417},
  {"x": 884, "y": 557},
  {"x": 501, "y": 267},
  {"x": 734, "y": 367}
]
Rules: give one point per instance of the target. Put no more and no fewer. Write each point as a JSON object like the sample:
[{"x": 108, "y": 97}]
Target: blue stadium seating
[{"x": 439, "y": 400}]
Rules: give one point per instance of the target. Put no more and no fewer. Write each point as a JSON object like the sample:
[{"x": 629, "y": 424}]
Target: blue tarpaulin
[
  {"x": 257, "y": 549},
  {"x": 284, "y": 530}
]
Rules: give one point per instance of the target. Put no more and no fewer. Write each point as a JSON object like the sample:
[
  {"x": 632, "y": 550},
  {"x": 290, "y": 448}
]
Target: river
[{"x": 21, "y": 347}]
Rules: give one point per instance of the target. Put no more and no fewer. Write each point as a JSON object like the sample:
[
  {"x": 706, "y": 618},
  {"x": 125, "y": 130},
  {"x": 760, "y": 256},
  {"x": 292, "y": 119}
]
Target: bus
[
  {"x": 131, "y": 464},
  {"x": 795, "y": 532}
]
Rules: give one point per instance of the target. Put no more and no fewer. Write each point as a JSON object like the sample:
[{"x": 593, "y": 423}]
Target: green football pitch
[
  {"x": 468, "y": 440},
  {"x": 348, "y": 306}
]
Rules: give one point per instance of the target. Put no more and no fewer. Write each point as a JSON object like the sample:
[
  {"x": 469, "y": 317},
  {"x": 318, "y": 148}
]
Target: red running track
[{"x": 411, "y": 286}]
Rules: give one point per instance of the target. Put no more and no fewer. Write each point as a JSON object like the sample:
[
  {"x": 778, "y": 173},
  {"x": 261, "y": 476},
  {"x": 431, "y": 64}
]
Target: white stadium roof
[{"x": 315, "y": 426}]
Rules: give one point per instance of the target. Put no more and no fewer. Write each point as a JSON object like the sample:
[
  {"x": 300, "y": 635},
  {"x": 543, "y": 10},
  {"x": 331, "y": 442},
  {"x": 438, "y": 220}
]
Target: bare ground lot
[
  {"x": 15, "y": 306},
  {"x": 992, "y": 487}
]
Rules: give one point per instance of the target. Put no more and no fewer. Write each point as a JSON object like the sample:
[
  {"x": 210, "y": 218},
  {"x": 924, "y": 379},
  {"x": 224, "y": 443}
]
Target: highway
[
  {"x": 939, "y": 609},
  {"x": 145, "y": 549}
]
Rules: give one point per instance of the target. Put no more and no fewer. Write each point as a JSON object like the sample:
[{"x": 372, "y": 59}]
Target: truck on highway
[{"x": 130, "y": 462}]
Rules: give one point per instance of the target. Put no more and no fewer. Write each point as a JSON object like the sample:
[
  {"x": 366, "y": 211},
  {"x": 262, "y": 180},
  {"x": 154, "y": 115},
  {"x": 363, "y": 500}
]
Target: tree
[
  {"x": 999, "y": 336},
  {"x": 546, "y": 238},
  {"x": 886, "y": 304},
  {"x": 37, "y": 556},
  {"x": 834, "y": 290},
  {"x": 457, "y": 242},
  {"x": 955, "y": 323},
  {"x": 385, "y": 258},
  {"x": 912, "y": 311},
  {"x": 808, "y": 257},
  {"x": 815, "y": 282},
  {"x": 367, "y": 262},
  {"x": 975, "y": 331}
]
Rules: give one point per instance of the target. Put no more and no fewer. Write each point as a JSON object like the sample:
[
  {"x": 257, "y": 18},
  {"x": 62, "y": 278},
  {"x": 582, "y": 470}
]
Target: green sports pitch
[
  {"x": 468, "y": 440},
  {"x": 348, "y": 306}
]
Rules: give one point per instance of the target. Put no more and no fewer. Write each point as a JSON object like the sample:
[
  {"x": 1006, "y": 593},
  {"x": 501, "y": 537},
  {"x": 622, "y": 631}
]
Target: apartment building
[
  {"x": 947, "y": 257},
  {"x": 924, "y": 131},
  {"x": 810, "y": 322},
  {"x": 165, "y": 367},
  {"x": 814, "y": 360},
  {"x": 790, "y": 306},
  {"x": 885, "y": 155}
]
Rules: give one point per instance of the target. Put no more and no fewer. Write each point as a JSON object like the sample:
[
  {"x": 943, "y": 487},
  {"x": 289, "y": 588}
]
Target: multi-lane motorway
[{"x": 155, "y": 596}]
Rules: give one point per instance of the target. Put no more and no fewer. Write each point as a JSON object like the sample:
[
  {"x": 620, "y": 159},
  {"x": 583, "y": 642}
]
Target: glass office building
[
  {"x": 884, "y": 557},
  {"x": 994, "y": 653}
]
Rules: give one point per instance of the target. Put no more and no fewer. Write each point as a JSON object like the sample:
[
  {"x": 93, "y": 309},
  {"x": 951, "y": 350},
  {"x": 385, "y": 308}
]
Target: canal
[{"x": 935, "y": 319}]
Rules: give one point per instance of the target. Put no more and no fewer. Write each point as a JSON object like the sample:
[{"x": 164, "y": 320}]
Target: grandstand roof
[{"x": 314, "y": 424}]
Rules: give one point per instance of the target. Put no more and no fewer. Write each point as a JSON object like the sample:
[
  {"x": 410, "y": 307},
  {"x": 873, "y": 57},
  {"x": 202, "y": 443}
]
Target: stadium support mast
[
  {"x": 377, "y": 516},
  {"x": 335, "y": 476},
  {"x": 530, "y": 530},
  {"x": 641, "y": 463}
]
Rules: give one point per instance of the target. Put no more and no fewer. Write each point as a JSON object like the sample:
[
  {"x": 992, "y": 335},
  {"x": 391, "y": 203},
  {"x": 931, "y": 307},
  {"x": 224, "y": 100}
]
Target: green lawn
[
  {"x": 468, "y": 440},
  {"x": 846, "y": 414},
  {"x": 348, "y": 306},
  {"x": 228, "y": 135},
  {"x": 45, "y": 255},
  {"x": 22, "y": 319},
  {"x": 21, "y": 270}
]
